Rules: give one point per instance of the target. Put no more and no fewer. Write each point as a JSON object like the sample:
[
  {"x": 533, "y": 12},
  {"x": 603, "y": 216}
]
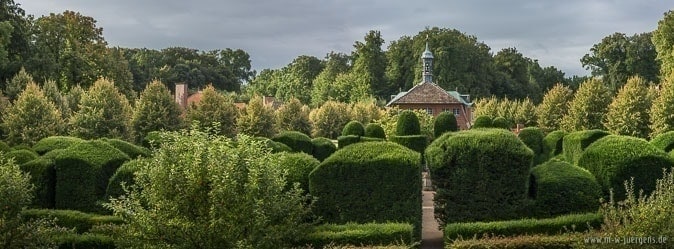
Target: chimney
[{"x": 181, "y": 94}]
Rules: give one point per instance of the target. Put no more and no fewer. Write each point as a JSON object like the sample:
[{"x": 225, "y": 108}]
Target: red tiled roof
[{"x": 426, "y": 93}]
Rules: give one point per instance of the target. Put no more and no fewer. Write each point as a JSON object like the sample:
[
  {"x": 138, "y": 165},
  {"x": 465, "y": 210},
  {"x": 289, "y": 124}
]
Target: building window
[
  {"x": 456, "y": 111},
  {"x": 429, "y": 111}
]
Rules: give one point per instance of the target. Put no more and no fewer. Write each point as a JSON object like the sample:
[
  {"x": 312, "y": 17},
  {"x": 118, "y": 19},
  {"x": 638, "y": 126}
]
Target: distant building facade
[{"x": 184, "y": 99}]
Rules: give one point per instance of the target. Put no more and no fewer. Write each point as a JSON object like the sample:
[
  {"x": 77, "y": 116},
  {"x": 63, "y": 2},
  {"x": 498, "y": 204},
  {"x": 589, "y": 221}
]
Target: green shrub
[
  {"x": 616, "y": 159},
  {"x": 375, "y": 130},
  {"x": 575, "y": 143},
  {"x": 664, "y": 141},
  {"x": 434, "y": 153},
  {"x": 558, "y": 187},
  {"x": 343, "y": 141},
  {"x": 22, "y": 156},
  {"x": 54, "y": 142},
  {"x": 416, "y": 143},
  {"x": 152, "y": 139},
  {"x": 533, "y": 138},
  {"x": 371, "y": 139},
  {"x": 276, "y": 147},
  {"x": 353, "y": 128},
  {"x": 22, "y": 147},
  {"x": 82, "y": 174},
  {"x": 4, "y": 147},
  {"x": 323, "y": 148},
  {"x": 131, "y": 150},
  {"x": 554, "y": 142},
  {"x": 84, "y": 241},
  {"x": 483, "y": 122},
  {"x": 479, "y": 175},
  {"x": 408, "y": 124},
  {"x": 501, "y": 122},
  {"x": 371, "y": 234},
  {"x": 71, "y": 219},
  {"x": 124, "y": 174},
  {"x": 572, "y": 222},
  {"x": 563, "y": 241},
  {"x": 298, "y": 166},
  {"x": 444, "y": 122},
  {"x": 297, "y": 141},
  {"x": 369, "y": 182},
  {"x": 43, "y": 177}
]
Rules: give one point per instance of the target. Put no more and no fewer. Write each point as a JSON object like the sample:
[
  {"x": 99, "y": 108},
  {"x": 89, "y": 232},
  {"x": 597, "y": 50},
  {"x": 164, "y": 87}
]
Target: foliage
[
  {"x": 553, "y": 107},
  {"x": 533, "y": 138},
  {"x": 483, "y": 122},
  {"x": 554, "y": 142},
  {"x": 198, "y": 185},
  {"x": 353, "y": 128},
  {"x": 444, "y": 122},
  {"x": 298, "y": 167},
  {"x": 323, "y": 148},
  {"x": 155, "y": 110},
  {"x": 664, "y": 141},
  {"x": 575, "y": 143},
  {"x": 55, "y": 142},
  {"x": 416, "y": 143},
  {"x": 615, "y": 159},
  {"x": 365, "y": 111},
  {"x": 561, "y": 241},
  {"x": 370, "y": 63},
  {"x": 43, "y": 178},
  {"x": 408, "y": 124},
  {"x": 276, "y": 147},
  {"x": 343, "y": 141},
  {"x": 214, "y": 108},
  {"x": 104, "y": 112},
  {"x": 486, "y": 107},
  {"x": 628, "y": 113},
  {"x": 557, "y": 188},
  {"x": 663, "y": 106},
  {"x": 32, "y": 117},
  {"x": 501, "y": 122},
  {"x": 293, "y": 116},
  {"x": 663, "y": 41},
  {"x": 525, "y": 113},
  {"x": 587, "y": 110},
  {"x": 18, "y": 83},
  {"x": 374, "y": 130},
  {"x": 371, "y": 234},
  {"x": 323, "y": 87},
  {"x": 71, "y": 219},
  {"x": 74, "y": 98},
  {"x": 329, "y": 119},
  {"x": 389, "y": 121},
  {"x": 21, "y": 156},
  {"x": 131, "y": 150},
  {"x": 124, "y": 176},
  {"x": 491, "y": 164},
  {"x": 292, "y": 80},
  {"x": 53, "y": 93},
  {"x": 84, "y": 241},
  {"x": 4, "y": 147},
  {"x": 297, "y": 141},
  {"x": 346, "y": 193}
]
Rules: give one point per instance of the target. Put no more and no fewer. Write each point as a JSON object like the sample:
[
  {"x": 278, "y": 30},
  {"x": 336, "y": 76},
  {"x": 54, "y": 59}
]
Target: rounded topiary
[
  {"x": 323, "y": 148},
  {"x": 375, "y": 130},
  {"x": 615, "y": 159},
  {"x": 124, "y": 174},
  {"x": 444, "y": 122},
  {"x": 343, "y": 141},
  {"x": 501, "y": 122},
  {"x": 22, "y": 156},
  {"x": 483, "y": 122},
  {"x": 298, "y": 165},
  {"x": 533, "y": 138},
  {"x": 55, "y": 142},
  {"x": 275, "y": 147},
  {"x": 22, "y": 147},
  {"x": 297, "y": 141},
  {"x": 554, "y": 142},
  {"x": 408, "y": 124},
  {"x": 131, "y": 150},
  {"x": 575, "y": 143},
  {"x": 664, "y": 141},
  {"x": 354, "y": 128},
  {"x": 4, "y": 147},
  {"x": 557, "y": 187}
]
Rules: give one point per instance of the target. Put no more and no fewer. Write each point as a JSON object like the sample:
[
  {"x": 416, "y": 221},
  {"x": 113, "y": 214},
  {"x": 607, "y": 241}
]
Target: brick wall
[{"x": 465, "y": 114}]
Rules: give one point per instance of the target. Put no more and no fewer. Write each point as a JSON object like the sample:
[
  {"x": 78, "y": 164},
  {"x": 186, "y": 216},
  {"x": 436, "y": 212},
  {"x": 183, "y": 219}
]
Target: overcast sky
[{"x": 557, "y": 33}]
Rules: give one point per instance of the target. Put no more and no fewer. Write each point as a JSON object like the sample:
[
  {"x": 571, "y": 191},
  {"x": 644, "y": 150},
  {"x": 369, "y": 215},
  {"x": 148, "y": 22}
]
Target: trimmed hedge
[
  {"x": 55, "y": 142},
  {"x": 554, "y": 142},
  {"x": 444, "y": 122},
  {"x": 82, "y": 174},
  {"x": 533, "y": 138},
  {"x": 84, "y": 241},
  {"x": 575, "y": 143},
  {"x": 124, "y": 173},
  {"x": 572, "y": 222},
  {"x": 23, "y": 147},
  {"x": 664, "y": 141},
  {"x": 370, "y": 234},
  {"x": 131, "y": 150},
  {"x": 353, "y": 128},
  {"x": 22, "y": 156},
  {"x": 369, "y": 182},
  {"x": 375, "y": 130},
  {"x": 298, "y": 165},
  {"x": 371, "y": 139},
  {"x": 479, "y": 175},
  {"x": 71, "y": 219},
  {"x": 322, "y": 148},
  {"x": 4, "y": 147},
  {"x": 43, "y": 177},
  {"x": 558, "y": 187},
  {"x": 564, "y": 241},
  {"x": 297, "y": 141},
  {"x": 276, "y": 147},
  {"x": 615, "y": 159},
  {"x": 416, "y": 143},
  {"x": 343, "y": 141},
  {"x": 501, "y": 122},
  {"x": 408, "y": 124},
  {"x": 483, "y": 122}
]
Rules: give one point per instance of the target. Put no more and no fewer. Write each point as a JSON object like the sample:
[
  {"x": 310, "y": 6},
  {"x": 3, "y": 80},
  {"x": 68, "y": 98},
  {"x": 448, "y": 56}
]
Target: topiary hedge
[
  {"x": 444, "y": 122},
  {"x": 615, "y": 159},
  {"x": 479, "y": 175},
  {"x": 664, "y": 141},
  {"x": 558, "y": 241},
  {"x": 124, "y": 174},
  {"x": 557, "y": 187},
  {"x": 350, "y": 234},
  {"x": 575, "y": 143},
  {"x": 416, "y": 143},
  {"x": 554, "y": 142},
  {"x": 22, "y": 156},
  {"x": 43, "y": 177},
  {"x": 71, "y": 219},
  {"x": 323, "y": 148},
  {"x": 275, "y": 147},
  {"x": 375, "y": 130},
  {"x": 343, "y": 141},
  {"x": 353, "y": 128},
  {"x": 131, "y": 150},
  {"x": 369, "y": 182},
  {"x": 82, "y": 174},
  {"x": 84, "y": 241},
  {"x": 55, "y": 142},
  {"x": 533, "y": 138},
  {"x": 298, "y": 165},
  {"x": 297, "y": 141},
  {"x": 501, "y": 122},
  {"x": 482, "y": 122},
  {"x": 408, "y": 124},
  {"x": 23, "y": 147}
]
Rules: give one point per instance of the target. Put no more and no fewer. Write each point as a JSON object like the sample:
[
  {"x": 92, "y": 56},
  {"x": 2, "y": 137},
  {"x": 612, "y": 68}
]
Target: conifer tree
[
  {"x": 17, "y": 84},
  {"x": 554, "y": 106},
  {"x": 74, "y": 96},
  {"x": 32, "y": 117},
  {"x": 588, "y": 107},
  {"x": 104, "y": 112},
  {"x": 214, "y": 107},
  {"x": 155, "y": 110},
  {"x": 628, "y": 112},
  {"x": 53, "y": 93},
  {"x": 257, "y": 119}
]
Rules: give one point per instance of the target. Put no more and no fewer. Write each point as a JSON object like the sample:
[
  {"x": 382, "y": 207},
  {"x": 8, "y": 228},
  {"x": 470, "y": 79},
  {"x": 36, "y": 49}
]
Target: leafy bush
[
  {"x": 371, "y": 234},
  {"x": 501, "y": 122},
  {"x": 214, "y": 107},
  {"x": 54, "y": 142},
  {"x": 563, "y": 241},
  {"x": 616, "y": 159},
  {"x": 104, "y": 112},
  {"x": 82, "y": 174},
  {"x": 344, "y": 141},
  {"x": 416, "y": 143},
  {"x": 257, "y": 119},
  {"x": 575, "y": 143},
  {"x": 483, "y": 122},
  {"x": 22, "y": 156},
  {"x": 664, "y": 141},
  {"x": 554, "y": 142},
  {"x": 323, "y": 148},
  {"x": 572, "y": 222},
  {"x": 353, "y": 128},
  {"x": 152, "y": 139},
  {"x": 43, "y": 177},
  {"x": 408, "y": 124},
  {"x": 131, "y": 150},
  {"x": 369, "y": 182},
  {"x": 293, "y": 116},
  {"x": 297, "y": 141},
  {"x": 444, "y": 122},
  {"x": 389, "y": 121},
  {"x": 374, "y": 130},
  {"x": 558, "y": 187},
  {"x": 533, "y": 138},
  {"x": 22, "y": 147},
  {"x": 329, "y": 120},
  {"x": 71, "y": 219},
  {"x": 4, "y": 147},
  {"x": 124, "y": 174},
  {"x": 31, "y": 117},
  {"x": 491, "y": 164},
  {"x": 298, "y": 165}
]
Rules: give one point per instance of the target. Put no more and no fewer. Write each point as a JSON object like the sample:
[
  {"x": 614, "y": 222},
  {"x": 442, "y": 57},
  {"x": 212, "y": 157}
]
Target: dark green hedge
[
  {"x": 371, "y": 139},
  {"x": 444, "y": 122},
  {"x": 533, "y": 138},
  {"x": 353, "y": 128},
  {"x": 276, "y": 147},
  {"x": 82, "y": 174},
  {"x": 664, "y": 141},
  {"x": 369, "y": 182},
  {"x": 343, "y": 141},
  {"x": 375, "y": 130},
  {"x": 4, "y": 147},
  {"x": 22, "y": 156},
  {"x": 131, "y": 150},
  {"x": 482, "y": 122},
  {"x": 501, "y": 122},
  {"x": 575, "y": 143},
  {"x": 579, "y": 222},
  {"x": 124, "y": 173},
  {"x": 434, "y": 153},
  {"x": 43, "y": 177},
  {"x": 615, "y": 159},
  {"x": 479, "y": 175},
  {"x": 408, "y": 124},
  {"x": 71, "y": 219},
  {"x": 84, "y": 241},
  {"x": 323, "y": 148},
  {"x": 562, "y": 241},
  {"x": 416, "y": 143},
  {"x": 297, "y": 141},
  {"x": 370, "y": 234},
  {"x": 554, "y": 142},
  {"x": 55, "y": 142},
  {"x": 298, "y": 165},
  {"x": 557, "y": 187}
]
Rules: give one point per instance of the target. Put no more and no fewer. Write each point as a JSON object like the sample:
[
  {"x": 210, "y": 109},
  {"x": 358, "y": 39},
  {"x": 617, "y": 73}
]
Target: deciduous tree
[
  {"x": 104, "y": 112},
  {"x": 293, "y": 116},
  {"x": 628, "y": 112},
  {"x": 214, "y": 107},
  {"x": 553, "y": 108},
  {"x": 32, "y": 117},
  {"x": 155, "y": 110},
  {"x": 588, "y": 107},
  {"x": 257, "y": 119}
]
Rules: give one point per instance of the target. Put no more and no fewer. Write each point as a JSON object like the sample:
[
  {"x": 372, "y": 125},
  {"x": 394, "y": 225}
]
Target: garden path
[{"x": 431, "y": 236}]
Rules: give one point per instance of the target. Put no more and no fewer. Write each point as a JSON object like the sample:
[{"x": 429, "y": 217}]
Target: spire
[{"x": 427, "y": 60}]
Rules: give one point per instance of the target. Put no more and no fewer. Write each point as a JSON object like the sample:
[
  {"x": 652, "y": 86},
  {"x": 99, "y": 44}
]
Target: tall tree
[
  {"x": 18, "y": 83},
  {"x": 324, "y": 89},
  {"x": 293, "y": 116},
  {"x": 55, "y": 96},
  {"x": 257, "y": 119},
  {"x": 5, "y": 35},
  {"x": 155, "y": 110},
  {"x": 402, "y": 60},
  {"x": 515, "y": 68},
  {"x": 297, "y": 79},
  {"x": 32, "y": 117},
  {"x": 370, "y": 63},
  {"x": 661, "y": 116},
  {"x": 588, "y": 107},
  {"x": 104, "y": 112},
  {"x": 214, "y": 108},
  {"x": 553, "y": 107},
  {"x": 15, "y": 31},
  {"x": 628, "y": 112},
  {"x": 663, "y": 39}
]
